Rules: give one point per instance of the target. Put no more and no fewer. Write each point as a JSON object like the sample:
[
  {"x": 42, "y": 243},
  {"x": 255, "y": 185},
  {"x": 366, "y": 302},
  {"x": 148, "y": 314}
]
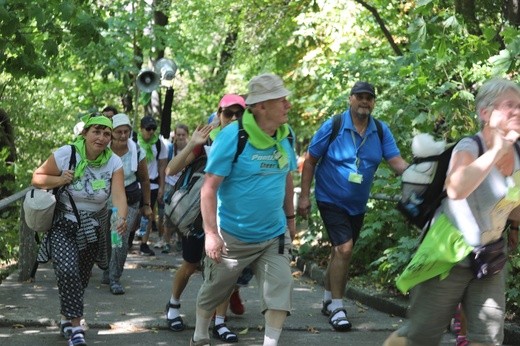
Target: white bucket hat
[
  {"x": 120, "y": 119},
  {"x": 265, "y": 87}
]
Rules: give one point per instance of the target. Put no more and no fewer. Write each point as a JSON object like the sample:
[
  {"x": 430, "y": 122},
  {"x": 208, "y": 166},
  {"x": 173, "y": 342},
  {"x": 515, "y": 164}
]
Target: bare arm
[
  {"x": 288, "y": 205},
  {"x": 398, "y": 164},
  {"x": 119, "y": 198},
  {"x": 144, "y": 180},
  {"x": 304, "y": 202},
  {"x": 186, "y": 156},
  {"x": 161, "y": 166},
  {"x": 467, "y": 173},
  {"x": 49, "y": 176},
  {"x": 214, "y": 245}
]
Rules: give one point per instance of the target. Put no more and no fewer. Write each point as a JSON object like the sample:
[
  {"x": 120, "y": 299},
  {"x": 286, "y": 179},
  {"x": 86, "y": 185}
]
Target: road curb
[{"x": 396, "y": 306}]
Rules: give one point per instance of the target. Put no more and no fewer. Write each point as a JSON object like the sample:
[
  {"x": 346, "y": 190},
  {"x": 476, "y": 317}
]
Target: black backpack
[
  {"x": 419, "y": 201},
  {"x": 243, "y": 136},
  {"x": 337, "y": 122}
]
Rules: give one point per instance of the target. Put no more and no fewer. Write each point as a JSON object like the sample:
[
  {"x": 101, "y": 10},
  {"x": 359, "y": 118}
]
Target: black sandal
[
  {"x": 174, "y": 324},
  {"x": 325, "y": 307},
  {"x": 227, "y": 336},
  {"x": 336, "y": 324}
]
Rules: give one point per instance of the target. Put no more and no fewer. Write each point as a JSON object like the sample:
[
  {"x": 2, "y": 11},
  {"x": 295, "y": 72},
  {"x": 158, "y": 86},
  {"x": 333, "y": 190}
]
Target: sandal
[
  {"x": 66, "y": 330},
  {"x": 325, "y": 308},
  {"x": 338, "y": 324},
  {"x": 175, "y": 324},
  {"x": 117, "y": 289},
  {"x": 227, "y": 336}
]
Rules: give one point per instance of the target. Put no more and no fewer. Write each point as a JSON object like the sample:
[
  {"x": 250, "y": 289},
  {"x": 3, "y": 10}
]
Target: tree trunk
[
  {"x": 466, "y": 8},
  {"x": 512, "y": 12}
]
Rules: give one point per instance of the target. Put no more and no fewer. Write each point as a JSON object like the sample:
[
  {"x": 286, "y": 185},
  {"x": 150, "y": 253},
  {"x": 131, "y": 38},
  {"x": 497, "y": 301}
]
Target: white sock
[
  {"x": 327, "y": 295},
  {"x": 219, "y": 319},
  {"x": 335, "y": 304},
  {"x": 173, "y": 313},
  {"x": 201, "y": 328},
  {"x": 271, "y": 336}
]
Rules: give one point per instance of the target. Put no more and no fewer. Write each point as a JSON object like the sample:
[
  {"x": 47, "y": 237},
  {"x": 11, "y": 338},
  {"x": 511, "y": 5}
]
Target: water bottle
[
  {"x": 142, "y": 229},
  {"x": 117, "y": 240}
]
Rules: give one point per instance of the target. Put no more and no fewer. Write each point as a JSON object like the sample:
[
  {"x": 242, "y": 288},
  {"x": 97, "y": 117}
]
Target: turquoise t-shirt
[{"x": 251, "y": 196}]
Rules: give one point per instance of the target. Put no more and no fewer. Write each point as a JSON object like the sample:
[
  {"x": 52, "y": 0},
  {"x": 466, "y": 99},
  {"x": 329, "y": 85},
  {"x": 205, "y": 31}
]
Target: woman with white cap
[{"x": 137, "y": 184}]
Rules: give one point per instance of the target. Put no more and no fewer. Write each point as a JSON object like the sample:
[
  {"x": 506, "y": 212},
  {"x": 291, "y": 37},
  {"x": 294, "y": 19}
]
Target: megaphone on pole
[
  {"x": 147, "y": 80},
  {"x": 166, "y": 69}
]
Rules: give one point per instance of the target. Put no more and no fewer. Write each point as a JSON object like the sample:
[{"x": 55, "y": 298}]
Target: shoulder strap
[
  {"x": 379, "y": 130},
  {"x": 476, "y": 138},
  {"x": 158, "y": 147},
  {"x": 243, "y": 136},
  {"x": 337, "y": 121},
  {"x": 72, "y": 160},
  {"x": 242, "y": 140},
  {"x": 336, "y": 125}
]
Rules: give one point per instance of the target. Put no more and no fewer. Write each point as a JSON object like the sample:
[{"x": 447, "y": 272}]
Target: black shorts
[
  {"x": 340, "y": 226},
  {"x": 193, "y": 247}
]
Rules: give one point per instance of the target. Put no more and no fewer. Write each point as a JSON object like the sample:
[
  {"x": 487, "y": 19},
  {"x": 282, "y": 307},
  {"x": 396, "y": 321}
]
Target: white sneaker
[{"x": 159, "y": 244}]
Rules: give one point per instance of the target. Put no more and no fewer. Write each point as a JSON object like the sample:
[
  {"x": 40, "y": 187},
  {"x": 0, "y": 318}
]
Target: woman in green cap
[{"x": 77, "y": 238}]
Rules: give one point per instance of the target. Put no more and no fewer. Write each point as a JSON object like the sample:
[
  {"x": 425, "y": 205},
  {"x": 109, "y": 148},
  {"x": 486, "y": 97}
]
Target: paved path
[{"x": 29, "y": 311}]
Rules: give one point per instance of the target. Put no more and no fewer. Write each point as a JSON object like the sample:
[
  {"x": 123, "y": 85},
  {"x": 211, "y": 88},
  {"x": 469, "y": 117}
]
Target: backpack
[
  {"x": 422, "y": 185},
  {"x": 39, "y": 204},
  {"x": 337, "y": 122},
  {"x": 243, "y": 136},
  {"x": 182, "y": 205}
]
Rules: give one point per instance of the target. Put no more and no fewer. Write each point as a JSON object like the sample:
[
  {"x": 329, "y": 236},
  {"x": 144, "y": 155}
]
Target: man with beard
[{"x": 348, "y": 162}]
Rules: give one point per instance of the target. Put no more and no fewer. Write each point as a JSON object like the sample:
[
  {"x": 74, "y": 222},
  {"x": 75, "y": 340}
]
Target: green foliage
[
  {"x": 61, "y": 58},
  {"x": 9, "y": 227}
]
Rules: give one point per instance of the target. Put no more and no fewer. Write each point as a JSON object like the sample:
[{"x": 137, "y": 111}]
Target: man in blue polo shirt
[
  {"x": 343, "y": 180},
  {"x": 253, "y": 200}
]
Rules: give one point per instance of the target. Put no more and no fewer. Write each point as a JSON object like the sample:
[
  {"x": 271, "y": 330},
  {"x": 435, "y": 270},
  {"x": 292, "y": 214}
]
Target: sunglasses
[
  {"x": 228, "y": 113},
  {"x": 365, "y": 96},
  {"x": 151, "y": 128}
]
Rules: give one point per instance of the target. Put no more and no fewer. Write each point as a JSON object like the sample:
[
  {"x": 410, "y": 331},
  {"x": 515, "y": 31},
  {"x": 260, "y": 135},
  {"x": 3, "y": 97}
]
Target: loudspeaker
[
  {"x": 165, "y": 68},
  {"x": 147, "y": 80}
]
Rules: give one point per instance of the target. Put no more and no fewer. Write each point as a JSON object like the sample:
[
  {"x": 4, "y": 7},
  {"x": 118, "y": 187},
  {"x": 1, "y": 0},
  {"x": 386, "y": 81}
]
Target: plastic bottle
[
  {"x": 142, "y": 229},
  {"x": 117, "y": 240}
]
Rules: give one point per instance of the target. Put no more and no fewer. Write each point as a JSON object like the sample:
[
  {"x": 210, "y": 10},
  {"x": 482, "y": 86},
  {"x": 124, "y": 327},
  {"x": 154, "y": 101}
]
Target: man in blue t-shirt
[
  {"x": 344, "y": 176},
  {"x": 247, "y": 209}
]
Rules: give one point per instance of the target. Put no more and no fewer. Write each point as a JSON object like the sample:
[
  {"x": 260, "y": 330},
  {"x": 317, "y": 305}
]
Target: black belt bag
[
  {"x": 487, "y": 260},
  {"x": 133, "y": 193}
]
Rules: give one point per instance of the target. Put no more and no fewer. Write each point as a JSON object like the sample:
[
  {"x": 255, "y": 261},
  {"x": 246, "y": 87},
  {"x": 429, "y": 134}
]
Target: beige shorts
[
  {"x": 272, "y": 271},
  {"x": 433, "y": 303}
]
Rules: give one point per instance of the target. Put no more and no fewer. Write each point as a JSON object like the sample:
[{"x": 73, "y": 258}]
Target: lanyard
[{"x": 358, "y": 161}]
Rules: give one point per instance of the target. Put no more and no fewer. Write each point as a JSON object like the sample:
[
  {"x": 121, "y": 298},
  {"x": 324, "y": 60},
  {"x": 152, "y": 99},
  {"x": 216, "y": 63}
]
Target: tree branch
[{"x": 382, "y": 25}]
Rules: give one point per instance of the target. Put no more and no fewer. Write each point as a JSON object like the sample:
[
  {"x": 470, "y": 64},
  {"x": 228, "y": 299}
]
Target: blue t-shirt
[
  {"x": 349, "y": 153},
  {"x": 251, "y": 196}
]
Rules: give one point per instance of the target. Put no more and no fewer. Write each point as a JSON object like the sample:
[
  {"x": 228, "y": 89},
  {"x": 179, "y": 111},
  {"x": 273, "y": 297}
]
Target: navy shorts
[
  {"x": 193, "y": 247},
  {"x": 340, "y": 226}
]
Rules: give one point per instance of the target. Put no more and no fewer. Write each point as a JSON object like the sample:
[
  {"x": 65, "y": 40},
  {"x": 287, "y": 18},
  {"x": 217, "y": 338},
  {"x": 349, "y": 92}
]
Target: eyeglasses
[
  {"x": 361, "y": 97},
  {"x": 228, "y": 113},
  {"x": 151, "y": 128}
]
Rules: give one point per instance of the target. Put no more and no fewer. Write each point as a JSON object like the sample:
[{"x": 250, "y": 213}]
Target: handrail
[
  {"x": 4, "y": 203},
  {"x": 28, "y": 246}
]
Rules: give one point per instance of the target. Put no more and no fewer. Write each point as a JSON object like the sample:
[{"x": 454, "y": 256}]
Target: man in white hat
[{"x": 255, "y": 209}]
